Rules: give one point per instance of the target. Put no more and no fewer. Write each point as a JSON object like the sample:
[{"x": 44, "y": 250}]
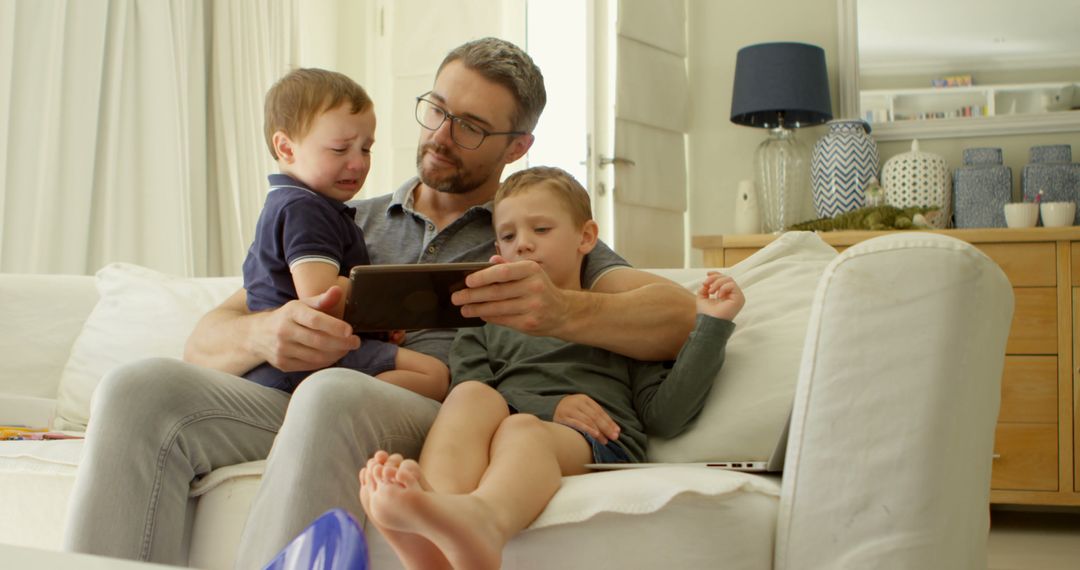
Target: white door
[{"x": 640, "y": 105}]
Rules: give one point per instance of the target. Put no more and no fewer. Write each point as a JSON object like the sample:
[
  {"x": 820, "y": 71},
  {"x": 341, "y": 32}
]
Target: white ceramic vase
[{"x": 919, "y": 179}]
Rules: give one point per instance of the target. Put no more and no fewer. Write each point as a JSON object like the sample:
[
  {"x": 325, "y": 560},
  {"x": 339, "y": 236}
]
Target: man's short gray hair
[{"x": 502, "y": 62}]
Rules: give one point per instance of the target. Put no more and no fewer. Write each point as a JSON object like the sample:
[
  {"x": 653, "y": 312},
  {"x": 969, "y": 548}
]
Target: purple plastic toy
[{"x": 333, "y": 542}]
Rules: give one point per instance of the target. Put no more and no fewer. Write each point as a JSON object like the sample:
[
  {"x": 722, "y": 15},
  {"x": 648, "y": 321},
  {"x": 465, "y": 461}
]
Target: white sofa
[{"x": 893, "y": 353}]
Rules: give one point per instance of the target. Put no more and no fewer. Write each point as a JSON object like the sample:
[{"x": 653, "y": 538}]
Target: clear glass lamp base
[{"x": 782, "y": 174}]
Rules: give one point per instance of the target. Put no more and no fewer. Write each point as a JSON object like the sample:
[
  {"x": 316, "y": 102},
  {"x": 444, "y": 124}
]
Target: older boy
[{"x": 494, "y": 456}]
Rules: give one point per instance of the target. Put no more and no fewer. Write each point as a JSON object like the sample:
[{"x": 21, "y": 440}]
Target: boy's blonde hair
[
  {"x": 570, "y": 192},
  {"x": 297, "y": 99}
]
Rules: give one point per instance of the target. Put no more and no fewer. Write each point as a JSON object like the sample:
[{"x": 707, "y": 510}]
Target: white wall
[
  {"x": 354, "y": 27},
  {"x": 722, "y": 153}
]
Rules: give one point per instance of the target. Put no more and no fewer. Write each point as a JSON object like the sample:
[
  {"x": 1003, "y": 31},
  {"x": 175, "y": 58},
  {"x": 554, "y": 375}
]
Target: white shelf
[{"x": 896, "y": 106}]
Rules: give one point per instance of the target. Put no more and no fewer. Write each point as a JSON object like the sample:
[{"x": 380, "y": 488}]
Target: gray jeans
[{"x": 159, "y": 424}]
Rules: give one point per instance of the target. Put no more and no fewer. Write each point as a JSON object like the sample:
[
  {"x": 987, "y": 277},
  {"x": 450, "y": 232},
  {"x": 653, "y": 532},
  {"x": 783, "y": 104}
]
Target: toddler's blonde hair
[{"x": 297, "y": 99}]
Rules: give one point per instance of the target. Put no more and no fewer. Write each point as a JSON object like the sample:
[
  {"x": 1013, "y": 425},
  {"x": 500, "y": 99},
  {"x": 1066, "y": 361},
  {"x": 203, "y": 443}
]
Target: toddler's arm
[{"x": 314, "y": 278}]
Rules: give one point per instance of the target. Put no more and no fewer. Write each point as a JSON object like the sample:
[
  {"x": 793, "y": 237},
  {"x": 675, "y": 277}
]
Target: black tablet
[{"x": 407, "y": 297}]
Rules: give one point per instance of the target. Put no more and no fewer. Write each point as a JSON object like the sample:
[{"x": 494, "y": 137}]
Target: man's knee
[
  {"x": 338, "y": 390},
  {"x": 148, "y": 384},
  {"x": 334, "y": 394}
]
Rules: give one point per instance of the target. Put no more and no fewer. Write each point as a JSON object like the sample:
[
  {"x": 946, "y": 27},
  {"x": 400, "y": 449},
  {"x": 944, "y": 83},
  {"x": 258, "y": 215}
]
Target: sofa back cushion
[
  {"x": 144, "y": 313},
  {"x": 141, "y": 313},
  {"x": 41, "y": 315},
  {"x": 747, "y": 409}
]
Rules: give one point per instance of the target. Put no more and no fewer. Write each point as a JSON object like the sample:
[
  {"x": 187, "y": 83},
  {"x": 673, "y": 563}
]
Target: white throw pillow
[
  {"x": 141, "y": 313},
  {"x": 748, "y": 406}
]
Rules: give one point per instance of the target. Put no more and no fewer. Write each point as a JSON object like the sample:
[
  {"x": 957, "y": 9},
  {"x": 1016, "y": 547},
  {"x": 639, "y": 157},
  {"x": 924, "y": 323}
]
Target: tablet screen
[{"x": 407, "y": 297}]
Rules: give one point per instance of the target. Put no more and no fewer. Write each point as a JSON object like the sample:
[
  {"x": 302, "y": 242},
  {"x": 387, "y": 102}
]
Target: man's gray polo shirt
[{"x": 396, "y": 233}]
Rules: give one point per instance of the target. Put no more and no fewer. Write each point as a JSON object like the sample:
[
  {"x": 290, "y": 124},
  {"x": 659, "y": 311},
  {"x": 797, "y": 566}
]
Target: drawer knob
[{"x": 997, "y": 456}]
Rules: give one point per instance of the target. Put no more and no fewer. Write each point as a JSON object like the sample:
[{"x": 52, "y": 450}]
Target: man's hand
[
  {"x": 515, "y": 294},
  {"x": 582, "y": 412},
  {"x": 300, "y": 336}
]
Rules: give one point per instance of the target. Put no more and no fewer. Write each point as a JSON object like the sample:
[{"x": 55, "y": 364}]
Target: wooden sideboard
[{"x": 1037, "y": 442}]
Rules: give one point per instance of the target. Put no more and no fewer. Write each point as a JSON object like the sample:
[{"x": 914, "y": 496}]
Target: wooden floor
[{"x": 1034, "y": 540}]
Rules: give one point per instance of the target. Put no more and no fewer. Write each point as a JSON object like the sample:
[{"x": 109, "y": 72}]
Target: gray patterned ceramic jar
[
  {"x": 1051, "y": 170},
  {"x": 843, "y": 162},
  {"x": 981, "y": 188}
]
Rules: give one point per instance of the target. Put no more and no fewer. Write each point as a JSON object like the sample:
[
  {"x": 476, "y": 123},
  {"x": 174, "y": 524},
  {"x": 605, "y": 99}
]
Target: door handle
[{"x": 604, "y": 161}]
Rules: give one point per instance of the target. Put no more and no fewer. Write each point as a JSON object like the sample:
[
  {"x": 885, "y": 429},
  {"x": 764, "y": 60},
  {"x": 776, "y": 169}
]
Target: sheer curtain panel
[{"x": 125, "y": 127}]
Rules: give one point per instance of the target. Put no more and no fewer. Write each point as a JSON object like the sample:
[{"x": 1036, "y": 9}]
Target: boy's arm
[
  {"x": 295, "y": 336},
  {"x": 315, "y": 277},
  {"x": 667, "y": 402}
]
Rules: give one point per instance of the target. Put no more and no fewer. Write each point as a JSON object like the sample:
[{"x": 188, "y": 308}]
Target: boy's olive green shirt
[{"x": 535, "y": 373}]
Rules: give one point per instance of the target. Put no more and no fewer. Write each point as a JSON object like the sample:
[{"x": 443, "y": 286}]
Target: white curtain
[
  {"x": 132, "y": 131},
  {"x": 254, "y": 43}
]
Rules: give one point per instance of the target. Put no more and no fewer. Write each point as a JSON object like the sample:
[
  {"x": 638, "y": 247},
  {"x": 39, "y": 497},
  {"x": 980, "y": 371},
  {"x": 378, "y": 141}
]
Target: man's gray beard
[
  {"x": 451, "y": 185},
  {"x": 455, "y": 184}
]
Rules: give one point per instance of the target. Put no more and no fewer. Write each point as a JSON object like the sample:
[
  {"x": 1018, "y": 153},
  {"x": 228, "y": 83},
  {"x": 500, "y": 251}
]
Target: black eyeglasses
[{"x": 464, "y": 133}]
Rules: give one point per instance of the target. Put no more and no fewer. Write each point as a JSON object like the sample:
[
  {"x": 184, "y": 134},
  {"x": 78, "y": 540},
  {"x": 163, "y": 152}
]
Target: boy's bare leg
[
  {"x": 456, "y": 451},
  {"x": 414, "y": 551},
  {"x": 528, "y": 459},
  {"x": 466, "y": 424}
]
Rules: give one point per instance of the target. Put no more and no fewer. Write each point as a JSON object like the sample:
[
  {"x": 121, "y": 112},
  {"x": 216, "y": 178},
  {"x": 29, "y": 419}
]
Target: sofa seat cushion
[
  {"x": 36, "y": 479},
  {"x": 667, "y": 517},
  {"x": 50, "y": 457},
  {"x": 643, "y": 491},
  {"x": 734, "y": 531},
  {"x": 685, "y": 517}
]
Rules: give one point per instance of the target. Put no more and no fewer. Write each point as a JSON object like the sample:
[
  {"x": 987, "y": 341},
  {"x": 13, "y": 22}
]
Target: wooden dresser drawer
[
  {"x": 1029, "y": 390},
  {"x": 1027, "y": 457},
  {"x": 1025, "y": 264},
  {"x": 1034, "y": 325},
  {"x": 1075, "y": 263},
  {"x": 733, "y": 256}
]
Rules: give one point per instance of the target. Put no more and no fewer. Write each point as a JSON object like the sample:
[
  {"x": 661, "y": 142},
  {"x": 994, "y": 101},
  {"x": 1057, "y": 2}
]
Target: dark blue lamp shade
[{"x": 781, "y": 84}]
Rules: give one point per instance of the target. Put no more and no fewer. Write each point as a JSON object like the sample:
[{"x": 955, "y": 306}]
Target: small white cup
[
  {"x": 1058, "y": 214},
  {"x": 1021, "y": 214}
]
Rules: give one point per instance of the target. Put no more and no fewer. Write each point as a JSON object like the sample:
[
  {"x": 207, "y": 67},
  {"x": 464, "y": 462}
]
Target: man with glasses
[{"x": 181, "y": 420}]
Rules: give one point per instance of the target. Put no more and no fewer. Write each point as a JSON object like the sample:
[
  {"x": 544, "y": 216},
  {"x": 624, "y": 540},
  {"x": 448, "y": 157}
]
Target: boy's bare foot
[
  {"x": 462, "y": 527},
  {"x": 414, "y": 551}
]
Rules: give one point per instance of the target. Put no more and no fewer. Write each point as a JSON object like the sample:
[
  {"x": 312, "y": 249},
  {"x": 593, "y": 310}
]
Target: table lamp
[{"x": 781, "y": 86}]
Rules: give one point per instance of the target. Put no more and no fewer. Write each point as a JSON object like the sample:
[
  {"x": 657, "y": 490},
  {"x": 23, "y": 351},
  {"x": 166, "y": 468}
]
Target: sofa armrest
[
  {"x": 26, "y": 411},
  {"x": 888, "y": 463},
  {"x": 42, "y": 315}
]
